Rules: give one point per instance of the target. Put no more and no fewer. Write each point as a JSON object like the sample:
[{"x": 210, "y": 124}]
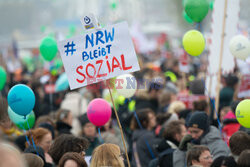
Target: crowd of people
[{"x": 159, "y": 129}]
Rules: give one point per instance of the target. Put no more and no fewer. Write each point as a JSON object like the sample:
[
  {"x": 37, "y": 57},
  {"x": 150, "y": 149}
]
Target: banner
[
  {"x": 98, "y": 55},
  {"x": 188, "y": 100}
]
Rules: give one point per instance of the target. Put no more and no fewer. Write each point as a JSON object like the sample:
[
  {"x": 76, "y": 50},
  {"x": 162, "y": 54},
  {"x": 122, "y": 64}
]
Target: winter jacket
[
  {"x": 167, "y": 160},
  {"x": 212, "y": 140},
  {"x": 230, "y": 126},
  {"x": 93, "y": 144},
  {"x": 140, "y": 138},
  {"x": 63, "y": 128}
]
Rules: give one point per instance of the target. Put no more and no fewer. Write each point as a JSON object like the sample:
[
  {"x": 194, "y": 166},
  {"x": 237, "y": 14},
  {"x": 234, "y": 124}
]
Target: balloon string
[
  {"x": 148, "y": 146},
  {"x": 100, "y": 136},
  {"x": 32, "y": 139},
  {"x": 25, "y": 132}
]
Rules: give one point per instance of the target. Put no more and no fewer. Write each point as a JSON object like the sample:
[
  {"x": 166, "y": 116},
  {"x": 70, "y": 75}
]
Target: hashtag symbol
[{"x": 70, "y": 48}]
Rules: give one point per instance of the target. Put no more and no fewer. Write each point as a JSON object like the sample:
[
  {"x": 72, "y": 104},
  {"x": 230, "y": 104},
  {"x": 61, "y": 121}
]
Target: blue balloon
[
  {"x": 62, "y": 83},
  {"x": 20, "y": 121},
  {"x": 21, "y": 99}
]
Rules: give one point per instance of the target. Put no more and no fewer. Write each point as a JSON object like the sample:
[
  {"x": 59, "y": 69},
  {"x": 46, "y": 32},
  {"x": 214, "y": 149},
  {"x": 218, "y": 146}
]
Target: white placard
[
  {"x": 98, "y": 55},
  {"x": 227, "y": 65}
]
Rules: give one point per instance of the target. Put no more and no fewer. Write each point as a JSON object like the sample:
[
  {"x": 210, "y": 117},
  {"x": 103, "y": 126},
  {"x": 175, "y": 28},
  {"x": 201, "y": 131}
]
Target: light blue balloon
[
  {"x": 21, "y": 99},
  {"x": 62, "y": 83},
  {"x": 20, "y": 121}
]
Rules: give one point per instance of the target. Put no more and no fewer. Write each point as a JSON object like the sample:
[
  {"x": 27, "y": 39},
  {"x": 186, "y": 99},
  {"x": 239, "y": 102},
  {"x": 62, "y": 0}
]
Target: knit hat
[
  {"x": 199, "y": 120},
  {"x": 83, "y": 119},
  {"x": 49, "y": 127}
]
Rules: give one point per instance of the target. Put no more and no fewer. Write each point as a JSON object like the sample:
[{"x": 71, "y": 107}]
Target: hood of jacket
[{"x": 213, "y": 134}]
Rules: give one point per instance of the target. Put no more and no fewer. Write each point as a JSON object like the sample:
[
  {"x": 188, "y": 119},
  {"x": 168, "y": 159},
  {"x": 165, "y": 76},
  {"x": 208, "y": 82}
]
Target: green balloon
[
  {"x": 187, "y": 18},
  {"x": 20, "y": 121},
  {"x": 3, "y": 77},
  {"x": 113, "y": 5},
  {"x": 211, "y": 5},
  {"x": 58, "y": 63},
  {"x": 48, "y": 48},
  {"x": 196, "y": 9}
]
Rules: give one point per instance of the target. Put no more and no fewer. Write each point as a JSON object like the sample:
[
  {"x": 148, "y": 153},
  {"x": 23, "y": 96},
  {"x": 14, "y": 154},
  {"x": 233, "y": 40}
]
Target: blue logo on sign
[{"x": 87, "y": 19}]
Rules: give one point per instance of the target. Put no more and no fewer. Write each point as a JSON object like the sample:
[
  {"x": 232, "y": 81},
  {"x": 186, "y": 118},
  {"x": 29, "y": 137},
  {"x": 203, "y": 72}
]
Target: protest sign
[
  {"x": 244, "y": 90},
  {"x": 188, "y": 100},
  {"x": 98, "y": 55}
]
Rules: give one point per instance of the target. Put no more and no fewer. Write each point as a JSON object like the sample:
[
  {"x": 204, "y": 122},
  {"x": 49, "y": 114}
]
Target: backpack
[{"x": 156, "y": 162}]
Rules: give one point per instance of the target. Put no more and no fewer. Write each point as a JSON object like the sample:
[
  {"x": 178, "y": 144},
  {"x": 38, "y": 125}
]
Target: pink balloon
[{"x": 99, "y": 112}]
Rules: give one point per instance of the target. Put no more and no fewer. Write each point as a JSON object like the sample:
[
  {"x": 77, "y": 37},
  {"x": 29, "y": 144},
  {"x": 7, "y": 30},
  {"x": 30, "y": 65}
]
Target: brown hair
[
  {"x": 174, "y": 127},
  {"x": 244, "y": 160},
  {"x": 200, "y": 105},
  {"x": 33, "y": 160},
  {"x": 67, "y": 143},
  {"x": 37, "y": 135},
  {"x": 73, "y": 156},
  {"x": 194, "y": 153},
  {"x": 143, "y": 118},
  {"x": 239, "y": 142},
  {"x": 107, "y": 155}
]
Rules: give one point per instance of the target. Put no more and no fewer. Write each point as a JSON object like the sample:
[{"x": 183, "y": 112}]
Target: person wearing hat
[
  {"x": 200, "y": 133},
  {"x": 204, "y": 134},
  {"x": 89, "y": 132}
]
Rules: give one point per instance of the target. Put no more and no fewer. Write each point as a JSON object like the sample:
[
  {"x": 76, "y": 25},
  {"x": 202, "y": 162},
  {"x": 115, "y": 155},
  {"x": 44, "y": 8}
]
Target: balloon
[
  {"x": 48, "y": 48},
  {"x": 186, "y": 17},
  {"x": 196, "y": 9},
  {"x": 171, "y": 75},
  {"x": 21, "y": 99},
  {"x": 211, "y": 5},
  {"x": 62, "y": 83},
  {"x": 243, "y": 113},
  {"x": 193, "y": 42},
  {"x": 99, "y": 112},
  {"x": 239, "y": 47},
  {"x": 58, "y": 63},
  {"x": 20, "y": 121},
  {"x": 3, "y": 77},
  {"x": 126, "y": 85}
]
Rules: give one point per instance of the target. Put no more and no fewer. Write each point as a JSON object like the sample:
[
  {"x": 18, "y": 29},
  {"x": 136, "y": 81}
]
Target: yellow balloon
[
  {"x": 193, "y": 42},
  {"x": 243, "y": 113}
]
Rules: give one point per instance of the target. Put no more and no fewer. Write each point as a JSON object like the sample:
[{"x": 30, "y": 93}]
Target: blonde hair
[
  {"x": 107, "y": 155},
  {"x": 176, "y": 107}
]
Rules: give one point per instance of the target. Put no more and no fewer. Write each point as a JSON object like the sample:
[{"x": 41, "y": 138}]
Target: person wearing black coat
[
  {"x": 64, "y": 121},
  {"x": 143, "y": 138},
  {"x": 173, "y": 134}
]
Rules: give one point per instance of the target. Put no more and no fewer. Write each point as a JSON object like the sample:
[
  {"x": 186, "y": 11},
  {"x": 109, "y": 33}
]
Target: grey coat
[
  {"x": 212, "y": 140},
  {"x": 139, "y": 137},
  {"x": 215, "y": 143}
]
